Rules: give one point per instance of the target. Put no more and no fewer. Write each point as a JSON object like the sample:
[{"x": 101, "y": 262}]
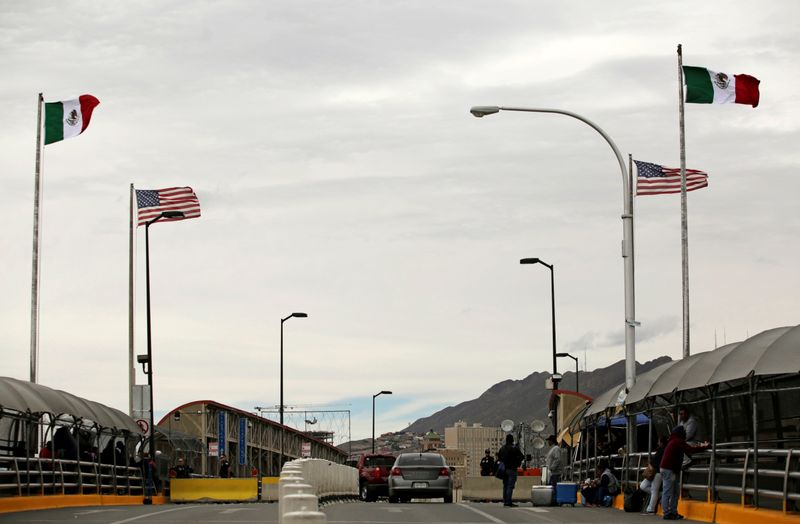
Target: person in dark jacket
[
  {"x": 605, "y": 484},
  {"x": 511, "y": 457},
  {"x": 670, "y": 467},
  {"x": 487, "y": 464}
]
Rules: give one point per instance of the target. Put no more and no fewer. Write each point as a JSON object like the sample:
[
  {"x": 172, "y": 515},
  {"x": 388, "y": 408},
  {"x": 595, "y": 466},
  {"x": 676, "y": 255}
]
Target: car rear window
[
  {"x": 420, "y": 460},
  {"x": 371, "y": 462}
]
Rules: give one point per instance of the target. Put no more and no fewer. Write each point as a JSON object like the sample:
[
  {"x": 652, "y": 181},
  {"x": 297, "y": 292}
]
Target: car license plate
[{"x": 419, "y": 484}]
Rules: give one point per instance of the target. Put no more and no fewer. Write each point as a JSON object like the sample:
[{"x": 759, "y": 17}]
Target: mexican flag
[
  {"x": 704, "y": 86},
  {"x": 68, "y": 118}
]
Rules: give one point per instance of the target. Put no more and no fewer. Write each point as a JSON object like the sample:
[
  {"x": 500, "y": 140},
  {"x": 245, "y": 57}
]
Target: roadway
[{"x": 342, "y": 513}]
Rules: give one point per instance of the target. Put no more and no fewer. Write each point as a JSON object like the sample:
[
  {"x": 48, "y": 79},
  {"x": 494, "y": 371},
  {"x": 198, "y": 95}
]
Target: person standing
[
  {"x": 655, "y": 483},
  {"x": 670, "y": 467},
  {"x": 181, "y": 470},
  {"x": 487, "y": 464},
  {"x": 224, "y": 467},
  {"x": 555, "y": 466},
  {"x": 511, "y": 458}
]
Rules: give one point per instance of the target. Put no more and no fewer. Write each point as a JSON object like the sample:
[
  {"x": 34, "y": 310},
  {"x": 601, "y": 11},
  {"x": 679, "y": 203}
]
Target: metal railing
[
  {"x": 768, "y": 478},
  {"x": 20, "y": 476}
]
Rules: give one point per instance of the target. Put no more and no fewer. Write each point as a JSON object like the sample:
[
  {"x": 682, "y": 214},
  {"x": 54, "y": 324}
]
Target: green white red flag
[
  {"x": 704, "y": 86},
  {"x": 68, "y": 118}
]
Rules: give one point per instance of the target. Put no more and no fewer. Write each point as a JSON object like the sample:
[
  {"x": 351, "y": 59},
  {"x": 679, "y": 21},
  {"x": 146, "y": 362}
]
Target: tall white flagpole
[
  {"x": 684, "y": 218},
  {"x": 37, "y": 244},
  {"x": 131, "y": 302}
]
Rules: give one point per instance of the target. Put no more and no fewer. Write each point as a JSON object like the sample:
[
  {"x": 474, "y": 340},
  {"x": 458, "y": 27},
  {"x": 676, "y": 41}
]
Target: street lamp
[
  {"x": 280, "y": 408},
  {"x": 151, "y": 438},
  {"x": 373, "y": 415},
  {"x": 627, "y": 231},
  {"x": 552, "y": 310},
  {"x": 567, "y": 355}
]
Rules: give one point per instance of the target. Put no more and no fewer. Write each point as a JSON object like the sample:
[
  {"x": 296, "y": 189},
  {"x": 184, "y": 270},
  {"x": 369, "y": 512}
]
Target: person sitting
[{"x": 600, "y": 490}]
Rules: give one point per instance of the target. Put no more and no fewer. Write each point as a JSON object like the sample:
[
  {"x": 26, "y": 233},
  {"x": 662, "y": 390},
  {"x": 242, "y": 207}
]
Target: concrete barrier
[
  {"x": 329, "y": 480},
  {"x": 491, "y": 488},
  {"x": 213, "y": 490}
]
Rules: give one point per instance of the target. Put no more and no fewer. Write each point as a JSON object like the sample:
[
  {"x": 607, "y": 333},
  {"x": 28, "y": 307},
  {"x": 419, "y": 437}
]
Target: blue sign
[
  {"x": 242, "y": 441},
  {"x": 222, "y": 435}
]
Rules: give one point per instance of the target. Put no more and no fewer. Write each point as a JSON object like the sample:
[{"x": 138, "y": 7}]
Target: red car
[{"x": 373, "y": 476}]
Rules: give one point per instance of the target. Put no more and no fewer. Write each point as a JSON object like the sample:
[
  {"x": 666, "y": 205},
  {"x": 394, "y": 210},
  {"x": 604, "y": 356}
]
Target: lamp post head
[
  {"x": 172, "y": 214},
  {"x": 529, "y": 261},
  {"x": 299, "y": 315},
  {"x": 563, "y": 355},
  {"x": 386, "y": 393},
  {"x": 482, "y": 111}
]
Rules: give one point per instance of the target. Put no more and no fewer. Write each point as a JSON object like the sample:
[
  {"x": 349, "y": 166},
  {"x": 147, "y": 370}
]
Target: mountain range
[{"x": 526, "y": 399}]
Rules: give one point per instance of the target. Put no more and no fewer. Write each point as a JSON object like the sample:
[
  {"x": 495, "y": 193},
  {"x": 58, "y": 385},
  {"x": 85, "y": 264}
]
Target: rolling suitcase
[
  {"x": 542, "y": 495},
  {"x": 566, "y": 493}
]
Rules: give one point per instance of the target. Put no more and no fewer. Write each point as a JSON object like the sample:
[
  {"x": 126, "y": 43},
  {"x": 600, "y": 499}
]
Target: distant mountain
[{"x": 526, "y": 399}]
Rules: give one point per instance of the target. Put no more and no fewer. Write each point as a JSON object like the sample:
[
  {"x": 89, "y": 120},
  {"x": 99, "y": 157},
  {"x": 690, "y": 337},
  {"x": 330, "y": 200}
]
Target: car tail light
[
  {"x": 444, "y": 472},
  {"x": 376, "y": 473},
  {"x": 396, "y": 472}
]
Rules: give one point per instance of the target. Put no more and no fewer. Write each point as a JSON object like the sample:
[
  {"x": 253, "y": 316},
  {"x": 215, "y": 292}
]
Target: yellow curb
[{"x": 12, "y": 504}]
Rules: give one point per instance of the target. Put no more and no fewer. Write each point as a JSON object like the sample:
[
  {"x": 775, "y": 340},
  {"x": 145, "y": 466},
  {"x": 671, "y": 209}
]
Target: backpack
[{"x": 634, "y": 500}]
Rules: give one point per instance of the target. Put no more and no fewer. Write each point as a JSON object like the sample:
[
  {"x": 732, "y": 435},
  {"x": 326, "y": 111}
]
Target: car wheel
[
  {"x": 363, "y": 493},
  {"x": 405, "y": 500},
  {"x": 448, "y": 499},
  {"x": 393, "y": 499}
]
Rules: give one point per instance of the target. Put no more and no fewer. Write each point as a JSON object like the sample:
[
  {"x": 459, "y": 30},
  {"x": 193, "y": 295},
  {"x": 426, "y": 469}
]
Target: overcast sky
[{"x": 340, "y": 174}]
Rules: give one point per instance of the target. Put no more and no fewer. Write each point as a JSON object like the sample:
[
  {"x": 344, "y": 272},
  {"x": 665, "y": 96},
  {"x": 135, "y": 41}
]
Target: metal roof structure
[
  {"x": 26, "y": 397},
  {"x": 770, "y": 353}
]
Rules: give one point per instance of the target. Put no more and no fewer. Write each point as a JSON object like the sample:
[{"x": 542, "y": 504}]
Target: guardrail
[
  {"x": 20, "y": 476},
  {"x": 767, "y": 478}
]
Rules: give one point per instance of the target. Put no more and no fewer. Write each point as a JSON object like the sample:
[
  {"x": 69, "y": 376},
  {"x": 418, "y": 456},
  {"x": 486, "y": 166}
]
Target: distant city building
[
  {"x": 432, "y": 441},
  {"x": 474, "y": 440},
  {"x": 457, "y": 459}
]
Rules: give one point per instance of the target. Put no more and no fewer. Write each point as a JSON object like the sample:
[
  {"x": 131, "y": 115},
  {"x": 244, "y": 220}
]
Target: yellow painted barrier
[
  {"x": 12, "y": 504},
  {"x": 198, "y": 490}
]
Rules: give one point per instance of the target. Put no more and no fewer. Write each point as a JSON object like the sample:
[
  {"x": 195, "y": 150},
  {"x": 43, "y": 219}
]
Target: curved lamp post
[
  {"x": 147, "y": 362},
  {"x": 627, "y": 231},
  {"x": 280, "y": 408},
  {"x": 567, "y": 355},
  {"x": 552, "y": 310},
  {"x": 373, "y": 416}
]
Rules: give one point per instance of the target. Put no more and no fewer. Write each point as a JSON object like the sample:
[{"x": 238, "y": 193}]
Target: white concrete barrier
[
  {"x": 329, "y": 480},
  {"x": 299, "y": 502},
  {"x": 305, "y": 517}
]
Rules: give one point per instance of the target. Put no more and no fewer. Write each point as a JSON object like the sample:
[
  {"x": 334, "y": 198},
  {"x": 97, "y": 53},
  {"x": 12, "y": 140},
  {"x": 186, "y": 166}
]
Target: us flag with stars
[
  {"x": 653, "y": 179},
  {"x": 153, "y": 202}
]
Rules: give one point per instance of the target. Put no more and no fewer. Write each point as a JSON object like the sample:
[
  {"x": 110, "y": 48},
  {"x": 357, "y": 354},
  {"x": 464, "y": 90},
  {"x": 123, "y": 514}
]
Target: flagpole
[
  {"x": 37, "y": 243},
  {"x": 684, "y": 218},
  {"x": 131, "y": 367}
]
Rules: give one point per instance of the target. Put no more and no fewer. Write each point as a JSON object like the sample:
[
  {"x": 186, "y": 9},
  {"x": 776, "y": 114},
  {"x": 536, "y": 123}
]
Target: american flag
[
  {"x": 653, "y": 179},
  {"x": 153, "y": 202}
]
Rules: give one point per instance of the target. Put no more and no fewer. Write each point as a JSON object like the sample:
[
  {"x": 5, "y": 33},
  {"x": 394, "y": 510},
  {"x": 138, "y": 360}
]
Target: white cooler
[{"x": 542, "y": 495}]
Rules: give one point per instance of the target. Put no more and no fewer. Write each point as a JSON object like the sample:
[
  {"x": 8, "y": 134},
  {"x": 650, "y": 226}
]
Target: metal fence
[
  {"x": 767, "y": 478},
  {"x": 20, "y": 476}
]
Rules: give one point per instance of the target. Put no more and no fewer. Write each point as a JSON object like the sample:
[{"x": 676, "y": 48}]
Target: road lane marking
[
  {"x": 151, "y": 514},
  {"x": 537, "y": 510},
  {"x": 234, "y": 510},
  {"x": 95, "y": 511},
  {"x": 482, "y": 514}
]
